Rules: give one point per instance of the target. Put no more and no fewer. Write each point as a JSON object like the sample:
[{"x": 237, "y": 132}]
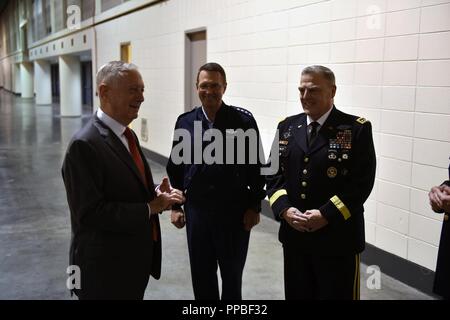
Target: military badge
[
  {"x": 287, "y": 134},
  {"x": 332, "y": 172},
  {"x": 343, "y": 139},
  {"x": 332, "y": 155},
  {"x": 345, "y": 156},
  {"x": 333, "y": 144}
]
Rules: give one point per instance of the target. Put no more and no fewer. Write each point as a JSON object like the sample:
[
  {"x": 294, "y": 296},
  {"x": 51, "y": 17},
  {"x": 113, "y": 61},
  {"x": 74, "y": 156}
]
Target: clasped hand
[
  {"x": 166, "y": 197},
  {"x": 308, "y": 221},
  {"x": 440, "y": 198}
]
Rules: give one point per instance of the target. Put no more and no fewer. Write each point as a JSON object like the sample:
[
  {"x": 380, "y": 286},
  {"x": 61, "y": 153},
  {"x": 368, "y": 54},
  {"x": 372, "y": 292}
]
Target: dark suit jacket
[
  {"x": 107, "y": 198},
  {"x": 335, "y": 175}
]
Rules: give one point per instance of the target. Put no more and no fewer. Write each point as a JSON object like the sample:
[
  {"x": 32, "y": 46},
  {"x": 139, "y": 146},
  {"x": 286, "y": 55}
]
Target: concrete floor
[{"x": 35, "y": 226}]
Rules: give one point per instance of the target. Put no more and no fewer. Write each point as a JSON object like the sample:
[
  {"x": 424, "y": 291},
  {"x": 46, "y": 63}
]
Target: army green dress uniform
[{"x": 335, "y": 174}]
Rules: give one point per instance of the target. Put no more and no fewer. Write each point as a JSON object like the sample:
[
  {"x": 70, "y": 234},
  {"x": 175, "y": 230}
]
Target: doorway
[
  {"x": 55, "y": 81},
  {"x": 86, "y": 83},
  {"x": 195, "y": 57}
]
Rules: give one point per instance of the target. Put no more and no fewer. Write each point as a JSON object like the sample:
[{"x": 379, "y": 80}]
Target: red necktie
[{"x": 140, "y": 165}]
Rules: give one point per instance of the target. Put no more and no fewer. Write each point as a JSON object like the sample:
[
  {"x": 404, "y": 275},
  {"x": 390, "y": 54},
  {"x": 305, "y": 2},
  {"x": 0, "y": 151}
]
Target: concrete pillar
[
  {"x": 70, "y": 85},
  {"x": 98, "y": 7},
  {"x": 53, "y": 16},
  {"x": 26, "y": 80},
  {"x": 43, "y": 81},
  {"x": 15, "y": 85}
]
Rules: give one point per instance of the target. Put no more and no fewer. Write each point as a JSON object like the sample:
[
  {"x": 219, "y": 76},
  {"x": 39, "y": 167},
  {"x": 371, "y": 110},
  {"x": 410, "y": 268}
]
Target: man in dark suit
[
  {"x": 223, "y": 198},
  {"x": 116, "y": 240},
  {"x": 440, "y": 202},
  {"x": 327, "y": 171}
]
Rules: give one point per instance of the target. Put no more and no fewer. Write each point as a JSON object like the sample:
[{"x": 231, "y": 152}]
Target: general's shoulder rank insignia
[{"x": 361, "y": 120}]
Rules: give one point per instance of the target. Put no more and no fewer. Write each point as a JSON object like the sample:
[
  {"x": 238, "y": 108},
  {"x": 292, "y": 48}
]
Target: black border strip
[{"x": 394, "y": 266}]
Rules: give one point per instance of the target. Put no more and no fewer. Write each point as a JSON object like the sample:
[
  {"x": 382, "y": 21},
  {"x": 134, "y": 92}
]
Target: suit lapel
[
  {"x": 117, "y": 146},
  {"x": 198, "y": 117},
  {"x": 300, "y": 133},
  {"x": 148, "y": 172},
  {"x": 321, "y": 139},
  {"x": 325, "y": 132}
]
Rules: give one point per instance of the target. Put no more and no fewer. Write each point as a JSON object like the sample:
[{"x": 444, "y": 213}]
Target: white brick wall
[{"x": 392, "y": 63}]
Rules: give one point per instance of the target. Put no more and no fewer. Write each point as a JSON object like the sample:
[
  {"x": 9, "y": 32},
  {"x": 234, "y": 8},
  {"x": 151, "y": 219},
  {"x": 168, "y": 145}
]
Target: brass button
[
  {"x": 306, "y": 159},
  {"x": 303, "y": 196},
  {"x": 305, "y": 171},
  {"x": 446, "y": 217},
  {"x": 304, "y": 184}
]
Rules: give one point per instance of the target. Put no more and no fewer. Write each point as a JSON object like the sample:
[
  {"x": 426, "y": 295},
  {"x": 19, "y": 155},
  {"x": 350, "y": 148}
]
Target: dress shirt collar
[
  {"x": 206, "y": 115},
  {"x": 321, "y": 120},
  {"x": 210, "y": 123},
  {"x": 115, "y": 126}
]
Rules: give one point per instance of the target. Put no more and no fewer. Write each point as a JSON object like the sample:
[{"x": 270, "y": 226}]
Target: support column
[
  {"x": 43, "y": 81},
  {"x": 98, "y": 7},
  {"x": 70, "y": 85},
  {"x": 53, "y": 16},
  {"x": 15, "y": 85},
  {"x": 26, "y": 80}
]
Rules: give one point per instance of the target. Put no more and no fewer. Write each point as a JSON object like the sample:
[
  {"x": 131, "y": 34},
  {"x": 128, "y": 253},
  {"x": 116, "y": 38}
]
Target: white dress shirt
[
  {"x": 210, "y": 123},
  {"x": 118, "y": 130},
  {"x": 115, "y": 127},
  {"x": 320, "y": 121}
]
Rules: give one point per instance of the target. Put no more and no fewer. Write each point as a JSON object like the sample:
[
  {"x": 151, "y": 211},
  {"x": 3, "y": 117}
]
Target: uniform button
[
  {"x": 303, "y": 196},
  {"x": 306, "y": 159},
  {"x": 446, "y": 217},
  {"x": 305, "y": 171},
  {"x": 340, "y": 160},
  {"x": 304, "y": 184}
]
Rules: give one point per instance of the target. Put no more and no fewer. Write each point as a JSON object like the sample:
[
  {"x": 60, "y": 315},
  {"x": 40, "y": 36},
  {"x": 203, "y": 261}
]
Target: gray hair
[
  {"x": 323, "y": 71},
  {"x": 110, "y": 72}
]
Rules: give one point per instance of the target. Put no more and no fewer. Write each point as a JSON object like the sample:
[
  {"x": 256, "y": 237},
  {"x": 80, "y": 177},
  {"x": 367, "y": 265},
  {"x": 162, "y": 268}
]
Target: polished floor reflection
[
  {"x": 34, "y": 221},
  {"x": 35, "y": 226}
]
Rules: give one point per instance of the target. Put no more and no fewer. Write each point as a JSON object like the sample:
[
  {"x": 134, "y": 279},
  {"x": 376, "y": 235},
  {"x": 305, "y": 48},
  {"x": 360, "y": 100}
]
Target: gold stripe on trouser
[{"x": 356, "y": 280}]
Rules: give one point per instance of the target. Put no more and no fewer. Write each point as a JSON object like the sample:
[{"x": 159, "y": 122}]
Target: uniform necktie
[
  {"x": 313, "y": 132},
  {"x": 140, "y": 165}
]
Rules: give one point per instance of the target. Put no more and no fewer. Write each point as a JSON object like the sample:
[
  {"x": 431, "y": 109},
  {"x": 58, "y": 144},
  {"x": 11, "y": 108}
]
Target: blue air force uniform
[
  {"x": 217, "y": 195},
  {"x": 334, "y": 174}
]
